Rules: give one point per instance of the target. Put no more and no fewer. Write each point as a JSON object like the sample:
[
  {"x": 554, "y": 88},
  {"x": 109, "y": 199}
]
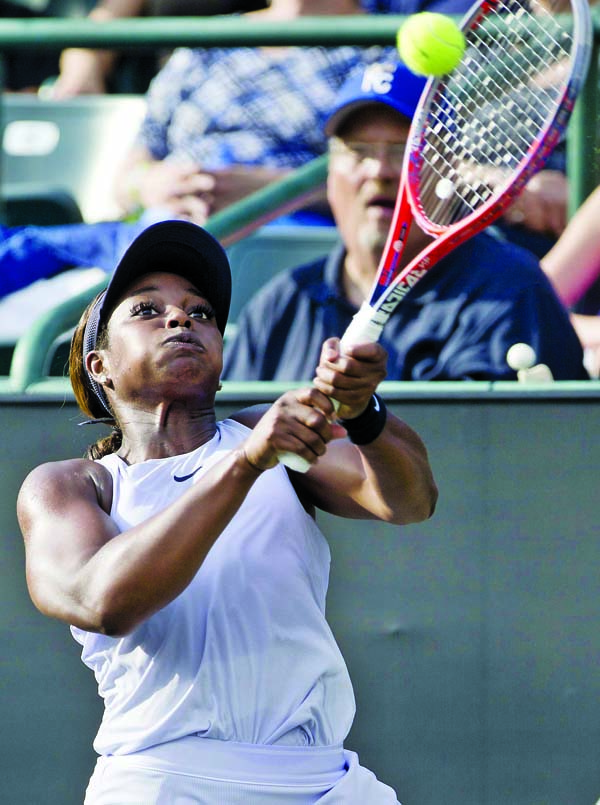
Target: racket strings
[{"x": 482, "y": 119}]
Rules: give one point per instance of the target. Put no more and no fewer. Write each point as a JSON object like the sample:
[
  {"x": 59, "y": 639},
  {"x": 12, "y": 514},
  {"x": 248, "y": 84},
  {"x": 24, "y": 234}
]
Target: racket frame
[{"x": 391, "y": 284}]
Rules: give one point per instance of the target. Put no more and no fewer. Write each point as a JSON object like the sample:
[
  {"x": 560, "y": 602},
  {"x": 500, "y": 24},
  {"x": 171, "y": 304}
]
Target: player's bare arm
[
  {"x": 80, "y": 569},
  {"x": 389, "y": 479}
]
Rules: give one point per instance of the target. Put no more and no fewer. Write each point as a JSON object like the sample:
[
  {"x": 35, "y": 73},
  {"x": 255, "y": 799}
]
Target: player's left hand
[
  {"x": 301, "y": 421},
  {"x": 350, "y": 377}
]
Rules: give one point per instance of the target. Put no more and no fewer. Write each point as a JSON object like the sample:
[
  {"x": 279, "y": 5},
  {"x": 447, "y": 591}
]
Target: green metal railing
[
  {"x": 326, "y": 31},
  {"x": 227, "y": 31},
  {"x": 29, "y": 359}
]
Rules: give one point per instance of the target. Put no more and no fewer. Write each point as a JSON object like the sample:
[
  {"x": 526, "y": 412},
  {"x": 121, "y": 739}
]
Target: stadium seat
[
  {"x": 25, "y": 205},
  {"x": 76, "y": 146},
  {"x": 260, "y": 256}
]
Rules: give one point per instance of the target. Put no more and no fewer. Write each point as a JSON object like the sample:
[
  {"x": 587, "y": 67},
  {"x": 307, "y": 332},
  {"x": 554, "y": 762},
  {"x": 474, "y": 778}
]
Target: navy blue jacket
[{"x": 456, "y": 323}]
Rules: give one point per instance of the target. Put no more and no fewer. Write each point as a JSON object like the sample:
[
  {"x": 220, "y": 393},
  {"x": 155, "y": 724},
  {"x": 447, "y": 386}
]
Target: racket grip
[
  {"x": 364, "y": 327},
  {"x": 294, "y": 462}
]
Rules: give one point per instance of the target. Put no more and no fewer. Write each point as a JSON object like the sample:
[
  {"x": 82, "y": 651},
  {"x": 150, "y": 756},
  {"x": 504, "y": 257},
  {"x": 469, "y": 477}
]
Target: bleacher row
[{"x": 59, "y": 161}]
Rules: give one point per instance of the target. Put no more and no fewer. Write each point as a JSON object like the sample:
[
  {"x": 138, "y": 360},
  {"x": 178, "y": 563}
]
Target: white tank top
[{"x": 244, "y": 653}]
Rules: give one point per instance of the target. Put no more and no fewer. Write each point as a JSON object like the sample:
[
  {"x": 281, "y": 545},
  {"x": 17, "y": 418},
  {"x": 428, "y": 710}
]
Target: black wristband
[{"x": 365, "y": 428}]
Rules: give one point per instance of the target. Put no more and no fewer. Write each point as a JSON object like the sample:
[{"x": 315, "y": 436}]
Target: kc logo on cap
[{"x": 378, "y": 78}]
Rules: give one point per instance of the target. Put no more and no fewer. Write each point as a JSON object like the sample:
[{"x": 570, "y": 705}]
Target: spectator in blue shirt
[{"x": 457, "y": 323}]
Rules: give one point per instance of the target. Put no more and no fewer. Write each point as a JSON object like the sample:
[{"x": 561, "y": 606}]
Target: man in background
[{"x": 457, "y": 323}]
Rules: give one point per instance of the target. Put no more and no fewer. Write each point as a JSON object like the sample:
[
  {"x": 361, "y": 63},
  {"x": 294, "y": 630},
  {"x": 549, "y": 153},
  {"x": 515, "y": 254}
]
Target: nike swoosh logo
[
  {"x": 181, "y": 478},
  {"x": 376, "y": 403}
]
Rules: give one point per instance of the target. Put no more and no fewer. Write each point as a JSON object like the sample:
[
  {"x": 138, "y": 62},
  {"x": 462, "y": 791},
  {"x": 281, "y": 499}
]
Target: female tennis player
[{"x": 187, "y": 559}]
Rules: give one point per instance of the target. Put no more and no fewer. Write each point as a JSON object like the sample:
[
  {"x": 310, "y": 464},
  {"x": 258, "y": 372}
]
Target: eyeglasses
[{"x": 356, "y": 153}]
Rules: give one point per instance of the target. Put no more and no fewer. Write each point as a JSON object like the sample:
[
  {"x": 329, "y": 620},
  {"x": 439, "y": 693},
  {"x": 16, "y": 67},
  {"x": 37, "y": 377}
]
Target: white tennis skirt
[{"x": 202, "y": 771}]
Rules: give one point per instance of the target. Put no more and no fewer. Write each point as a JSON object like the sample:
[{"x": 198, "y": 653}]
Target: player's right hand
[{"x": 351, "y": 376}]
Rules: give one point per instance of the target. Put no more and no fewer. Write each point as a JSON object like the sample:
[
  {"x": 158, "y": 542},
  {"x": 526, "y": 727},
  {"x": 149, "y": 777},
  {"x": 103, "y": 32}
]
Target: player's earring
[{"x": 105, "y": 380}]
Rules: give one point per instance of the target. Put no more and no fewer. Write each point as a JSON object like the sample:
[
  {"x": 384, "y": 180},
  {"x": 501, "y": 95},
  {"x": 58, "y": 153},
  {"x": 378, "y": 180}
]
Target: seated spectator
[
  {"x": 535, "y": 221},
  {"x": 457, "y": 323},
  {"x": 207, "y": 142},
  {"x": 221, "y": 123},
  {"x": 85, "y": 71},
  {"x": 573, "y": 266},
  {"x": 242, "y": 149}
]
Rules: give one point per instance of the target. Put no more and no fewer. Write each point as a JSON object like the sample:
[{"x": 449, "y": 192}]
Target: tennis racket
[{"x": 478, "y": 135}]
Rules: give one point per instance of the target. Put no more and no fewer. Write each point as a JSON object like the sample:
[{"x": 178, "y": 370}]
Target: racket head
[{"x": 480, "y": 132}]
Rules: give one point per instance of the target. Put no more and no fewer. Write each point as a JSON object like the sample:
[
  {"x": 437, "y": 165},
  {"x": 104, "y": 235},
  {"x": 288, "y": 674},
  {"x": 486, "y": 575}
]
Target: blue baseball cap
[{"x": 391, "y": 83}]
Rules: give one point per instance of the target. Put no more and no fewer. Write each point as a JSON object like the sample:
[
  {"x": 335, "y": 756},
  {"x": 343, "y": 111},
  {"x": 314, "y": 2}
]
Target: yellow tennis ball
[{"x": 430, "y": 43}]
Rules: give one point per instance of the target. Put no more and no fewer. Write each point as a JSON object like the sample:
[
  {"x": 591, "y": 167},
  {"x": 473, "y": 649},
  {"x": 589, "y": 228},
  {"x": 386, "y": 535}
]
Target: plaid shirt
[{"x": 218, "y": 107}]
